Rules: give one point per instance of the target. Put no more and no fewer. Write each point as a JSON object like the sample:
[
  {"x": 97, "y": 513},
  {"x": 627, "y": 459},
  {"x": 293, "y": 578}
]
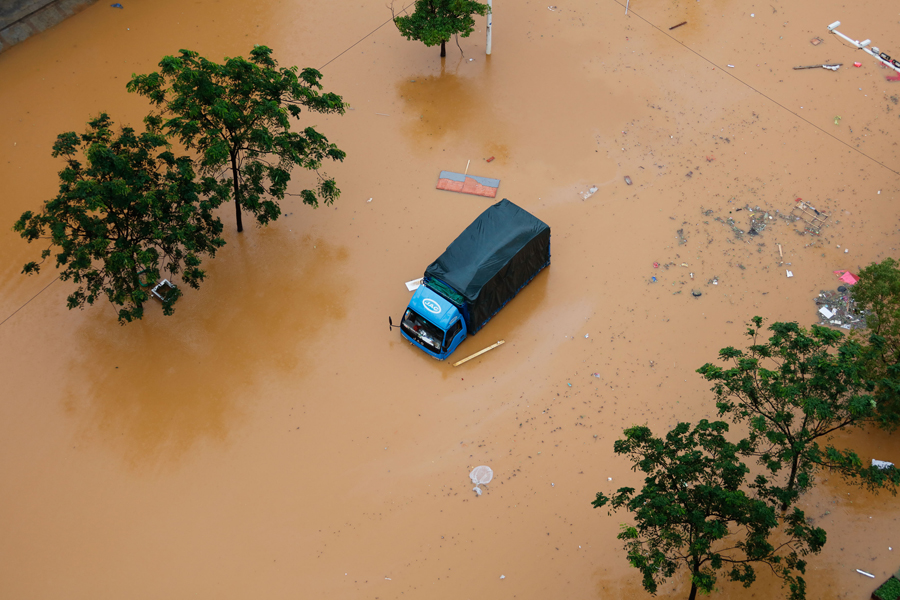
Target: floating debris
[
  {"x": 836, "y": 308},
  {"x": 812, "y": 217},
  {"x": 759, "y": 219},
  {"x": 590, "y": 192},
  {"x": 681, "y": 239},
  {"x": 481, "y": 475}
]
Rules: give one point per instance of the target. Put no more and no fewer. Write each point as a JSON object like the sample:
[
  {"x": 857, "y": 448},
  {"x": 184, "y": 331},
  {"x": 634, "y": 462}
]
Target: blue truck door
[{"x": 455, "y": 335}]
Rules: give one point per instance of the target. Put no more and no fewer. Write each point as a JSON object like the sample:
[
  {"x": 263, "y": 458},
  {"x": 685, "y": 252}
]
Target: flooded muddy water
[{"x": 273, "y": 439}]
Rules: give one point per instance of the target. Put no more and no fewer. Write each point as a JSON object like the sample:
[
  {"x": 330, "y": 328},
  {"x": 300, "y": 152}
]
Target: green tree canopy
[
  {"x": 237, "y": 115},
  {"x": 692, "y": 512},
  {"x": 434, "y": 22},
  {"x": 793, "y": 391},
  {"x": 127, "y": 213},
  {"x": 878, "y": 294}
]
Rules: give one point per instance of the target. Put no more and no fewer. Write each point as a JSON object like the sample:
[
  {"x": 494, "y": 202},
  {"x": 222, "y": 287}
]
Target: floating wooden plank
[{"x": 479, "y": 353}]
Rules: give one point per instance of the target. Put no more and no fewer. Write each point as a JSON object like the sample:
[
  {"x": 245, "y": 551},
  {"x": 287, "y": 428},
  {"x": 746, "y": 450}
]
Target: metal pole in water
[{"x": 487, "y": 49}]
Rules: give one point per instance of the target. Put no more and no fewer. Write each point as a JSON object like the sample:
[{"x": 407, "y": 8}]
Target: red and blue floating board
[{"x": 468, "y": 184}]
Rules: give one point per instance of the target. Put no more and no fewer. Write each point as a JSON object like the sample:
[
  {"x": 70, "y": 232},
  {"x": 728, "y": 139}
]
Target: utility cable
[
  {"x": 29, "y": 300},
  {"x": 770, "y": 99},
  {"x": 364, "y": 37}
]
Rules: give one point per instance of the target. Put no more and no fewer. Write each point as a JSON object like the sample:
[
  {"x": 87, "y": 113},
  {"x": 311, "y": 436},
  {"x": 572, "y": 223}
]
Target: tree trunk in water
[
  {"x": 695, "y": 571},
  {"x": 237, "y": 198},
  {"x": 443, "y": 49},
  {"x": 791, "y": 481}
]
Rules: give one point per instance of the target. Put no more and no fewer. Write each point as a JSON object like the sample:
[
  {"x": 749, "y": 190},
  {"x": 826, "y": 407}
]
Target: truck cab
[{"x": 433, "y": 323}]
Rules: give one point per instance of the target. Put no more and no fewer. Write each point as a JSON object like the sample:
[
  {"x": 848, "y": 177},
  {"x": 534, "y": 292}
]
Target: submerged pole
[{"x": 487, "y": 49}]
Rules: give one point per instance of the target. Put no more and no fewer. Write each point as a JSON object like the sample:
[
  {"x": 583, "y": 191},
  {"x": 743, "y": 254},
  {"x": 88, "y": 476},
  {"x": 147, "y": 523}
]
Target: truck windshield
[{"x": 419, "y": 328}]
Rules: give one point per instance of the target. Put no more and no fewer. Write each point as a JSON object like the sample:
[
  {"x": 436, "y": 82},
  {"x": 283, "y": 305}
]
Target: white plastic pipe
[
  {"x": 863, "y": 45},
  {"x": 487, "y": 49}
]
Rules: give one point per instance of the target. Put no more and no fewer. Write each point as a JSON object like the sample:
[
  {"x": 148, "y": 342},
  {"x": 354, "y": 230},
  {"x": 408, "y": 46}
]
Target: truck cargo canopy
[{"x": 491, "y": 260}]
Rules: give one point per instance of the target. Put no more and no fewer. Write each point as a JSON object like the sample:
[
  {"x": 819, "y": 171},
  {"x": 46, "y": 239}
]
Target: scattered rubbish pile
[
  {"x": 481, "y": 475},
  {"x": 837, "y": 308},
  {"x": 759, "y": 219},
  {"x": 805, "y": 218}
]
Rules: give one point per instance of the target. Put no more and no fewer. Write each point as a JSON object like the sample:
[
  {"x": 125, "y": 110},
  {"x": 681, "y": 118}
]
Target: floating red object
[{"x": 847, "y": 277}]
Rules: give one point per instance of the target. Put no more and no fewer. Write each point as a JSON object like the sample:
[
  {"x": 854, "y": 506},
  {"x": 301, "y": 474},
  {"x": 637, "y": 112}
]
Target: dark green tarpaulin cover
[{"x": 490, "y": 261}]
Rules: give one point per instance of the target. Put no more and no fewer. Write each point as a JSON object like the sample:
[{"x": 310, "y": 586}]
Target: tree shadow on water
[{"x": 157, "y": 389}]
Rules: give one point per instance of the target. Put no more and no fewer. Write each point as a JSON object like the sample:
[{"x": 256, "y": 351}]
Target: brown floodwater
[{"x": 273, "y": 440}]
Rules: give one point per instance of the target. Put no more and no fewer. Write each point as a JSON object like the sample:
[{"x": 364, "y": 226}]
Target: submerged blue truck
[{"x": 479, "y": 272}]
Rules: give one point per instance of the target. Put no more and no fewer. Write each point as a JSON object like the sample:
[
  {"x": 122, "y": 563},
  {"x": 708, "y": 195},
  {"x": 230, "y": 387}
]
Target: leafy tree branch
[
  {"x": 793, "y": 391},
  {"x": 693, "y": 501},
  {"x": 127, "y": 210},
  {"x": 434, "y": 22},
  {"x": 237, "y": 115}
]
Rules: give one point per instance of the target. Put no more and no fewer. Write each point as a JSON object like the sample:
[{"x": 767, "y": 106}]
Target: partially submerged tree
[
  {"x": 692, "y": 512},
  {"x": 878, "y": 294},
  {"x": 794, "y": 391},
  {"x": 131, "y": 211},
  {"x": 237, "y": 115},
  {"x": 434, "y": 22}
]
